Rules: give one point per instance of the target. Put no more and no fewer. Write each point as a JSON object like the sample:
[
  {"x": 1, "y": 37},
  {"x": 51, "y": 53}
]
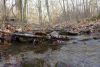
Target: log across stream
[{"x": 30, "y": 37}]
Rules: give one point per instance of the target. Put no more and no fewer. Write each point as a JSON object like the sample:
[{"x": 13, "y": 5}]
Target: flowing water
[{"x": 80, "y": 51}]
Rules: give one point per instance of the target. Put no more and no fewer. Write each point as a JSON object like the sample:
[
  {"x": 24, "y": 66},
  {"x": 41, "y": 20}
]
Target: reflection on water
[{"x": 81, "y": 51}]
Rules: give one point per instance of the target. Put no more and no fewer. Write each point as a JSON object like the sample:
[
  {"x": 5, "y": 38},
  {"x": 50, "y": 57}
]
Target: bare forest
[
  {"x": 49, "y": 33},
  {"x": 48, "y": 13}
]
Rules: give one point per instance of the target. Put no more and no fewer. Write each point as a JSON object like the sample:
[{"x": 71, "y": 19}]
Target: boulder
[{"x": 54, "y": 34}]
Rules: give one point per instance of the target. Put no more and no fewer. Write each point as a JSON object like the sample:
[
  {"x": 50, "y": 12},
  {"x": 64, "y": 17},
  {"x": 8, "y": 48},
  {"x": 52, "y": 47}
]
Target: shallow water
[{"x": 81, "y": 51}]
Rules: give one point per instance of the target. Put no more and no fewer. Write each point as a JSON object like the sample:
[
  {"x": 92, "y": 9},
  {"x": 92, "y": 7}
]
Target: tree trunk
[
  {"x": 19, "y": 10},
  {"x": 4, "y": 10},
  {"x": 40, "y": 12},
  {"x": 64, "y": 12},
  {"x": 4, "y": 13},
  {"x": 48, "y": 11},
  {"x": 24, "y": 10}
]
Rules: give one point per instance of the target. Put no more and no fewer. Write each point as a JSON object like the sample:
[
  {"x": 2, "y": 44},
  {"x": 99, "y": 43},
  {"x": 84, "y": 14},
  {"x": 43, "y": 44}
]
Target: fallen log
[
  {"x": 69, "y": 33},
  {"x": 30, "y": 37}
]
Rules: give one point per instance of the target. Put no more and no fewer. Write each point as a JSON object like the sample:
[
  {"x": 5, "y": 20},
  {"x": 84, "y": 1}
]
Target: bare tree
[
  {"x": 19, "y": 9},
  {"x": 64, "y": 11},
  {"x": 4, "y": 14},
  {"x": 48, "y": 11},
  {"x": 40, "y": 12},
  {"x": 4, "y": 10},
  {"x": 24, "y": 10}
]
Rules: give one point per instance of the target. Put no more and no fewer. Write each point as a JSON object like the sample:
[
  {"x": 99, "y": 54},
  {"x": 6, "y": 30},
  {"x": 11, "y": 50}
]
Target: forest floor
[{"x": 84, "y": 27}]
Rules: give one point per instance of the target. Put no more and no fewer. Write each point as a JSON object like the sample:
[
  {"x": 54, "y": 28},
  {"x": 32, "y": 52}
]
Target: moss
[{"x": 62, "y": 32}]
